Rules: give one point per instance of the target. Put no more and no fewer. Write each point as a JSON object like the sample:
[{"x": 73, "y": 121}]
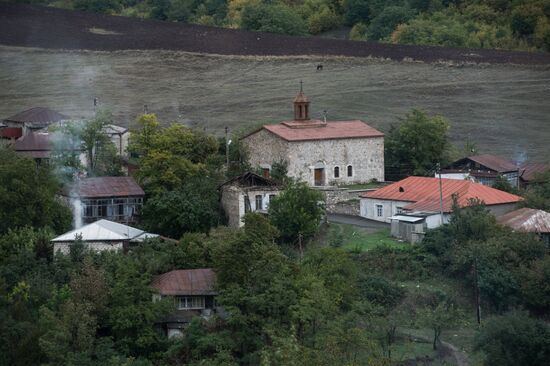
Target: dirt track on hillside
[{"x": 34, "y": 26}]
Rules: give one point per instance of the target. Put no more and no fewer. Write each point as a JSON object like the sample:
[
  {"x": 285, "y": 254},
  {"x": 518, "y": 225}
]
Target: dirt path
[{"x": 459, "y": 356}]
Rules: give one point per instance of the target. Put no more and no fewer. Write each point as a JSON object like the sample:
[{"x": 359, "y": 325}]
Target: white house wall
[
  {"x": 65, "y": 248},
  {"x": 389, "y": 208}
]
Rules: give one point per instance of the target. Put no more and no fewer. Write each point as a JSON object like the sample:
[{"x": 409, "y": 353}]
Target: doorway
[{"x": 319, "y": 176}]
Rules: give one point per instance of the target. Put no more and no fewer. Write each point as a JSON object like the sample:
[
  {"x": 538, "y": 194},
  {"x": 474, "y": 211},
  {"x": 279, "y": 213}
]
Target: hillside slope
[{"x": 34, "y": 26}]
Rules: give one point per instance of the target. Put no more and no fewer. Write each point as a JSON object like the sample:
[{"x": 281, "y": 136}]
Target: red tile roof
[
  {"x": 529, "y": 170},
  {"x": 423, "y": 193},
  {"x": 186, "y": 282},
  {"x": 527, "y": 219},
  {"x": 109, "y": 187},
  {"x": 320, "y": 130},
  {"x": 494, "y": 162}
]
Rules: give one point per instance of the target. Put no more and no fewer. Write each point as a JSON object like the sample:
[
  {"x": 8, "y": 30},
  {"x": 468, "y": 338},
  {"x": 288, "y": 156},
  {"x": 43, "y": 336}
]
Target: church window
[
  {"x": 350, "y": 171},
  {"x": 336, "y": 172}
]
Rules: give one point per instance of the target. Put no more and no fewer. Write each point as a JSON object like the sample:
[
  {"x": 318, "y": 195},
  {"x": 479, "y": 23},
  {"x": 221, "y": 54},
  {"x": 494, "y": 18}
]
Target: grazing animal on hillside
[{"x": 320, "y": 67}]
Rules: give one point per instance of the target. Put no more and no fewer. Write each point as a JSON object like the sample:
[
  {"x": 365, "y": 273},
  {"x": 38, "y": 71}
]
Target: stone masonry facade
[{"x": 364, "y": 155}]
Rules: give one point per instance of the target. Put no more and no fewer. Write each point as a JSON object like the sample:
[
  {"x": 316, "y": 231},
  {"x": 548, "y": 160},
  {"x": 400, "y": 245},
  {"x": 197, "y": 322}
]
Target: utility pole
[
  {"x": 300, "y": 245},
  {"x": 476, "y": 289},
  {"x": 438, "y": 166},
  {"x": 226, "y": 147}
]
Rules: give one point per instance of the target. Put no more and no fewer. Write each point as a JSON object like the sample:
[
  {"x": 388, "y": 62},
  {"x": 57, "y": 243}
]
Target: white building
[
  {"x": 101, "y": 235},
  {"x": 319, "y": 152},
  {"x": 414, "y": 203}
]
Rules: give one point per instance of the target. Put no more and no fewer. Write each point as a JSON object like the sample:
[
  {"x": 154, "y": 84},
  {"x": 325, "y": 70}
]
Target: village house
[
  {"x": 319, "y": 152},
  {"x": 484, "y": 169},
  {"x": 101, "y": 235},
  {"x": 43, "y": 146},
  {"x": 193, "y": 292},
  {"x": 118, "y": 199},
  {"x": 119, "y": 137},
  {"x": 33, "y": 119},
  {"x": 528, "y": 172},
  {"x": 248, "y": 192},
  {"x": 528, "y": 220},
  {"x": 413, "y": 204}
]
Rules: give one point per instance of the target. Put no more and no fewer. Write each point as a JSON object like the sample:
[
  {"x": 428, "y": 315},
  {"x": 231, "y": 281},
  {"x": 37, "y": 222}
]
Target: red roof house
[{"x": 422, "y": 194}]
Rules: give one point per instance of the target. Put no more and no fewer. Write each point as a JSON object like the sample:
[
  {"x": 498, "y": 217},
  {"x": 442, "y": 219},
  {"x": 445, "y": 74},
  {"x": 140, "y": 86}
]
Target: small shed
[
  {"x": 528, "y": 220},
  {"x": 409, "y": 228}
]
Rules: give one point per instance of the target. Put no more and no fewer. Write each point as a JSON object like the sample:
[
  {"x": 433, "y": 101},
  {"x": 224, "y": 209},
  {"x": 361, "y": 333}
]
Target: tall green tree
[
  {"x": 296, "y": 212},
  {"x": 416, "y": 145},
  {"x": 28, "y": 195}
]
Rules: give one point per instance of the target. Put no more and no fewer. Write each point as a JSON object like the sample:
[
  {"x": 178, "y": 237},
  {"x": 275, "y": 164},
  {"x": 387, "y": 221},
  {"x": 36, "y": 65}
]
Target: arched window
[
  {"x": 350, "y": 171},
  {"x": 336, "y": 172}
]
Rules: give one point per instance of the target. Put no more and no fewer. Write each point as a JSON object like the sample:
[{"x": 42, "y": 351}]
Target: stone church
[{"x": 319, "y": 152}]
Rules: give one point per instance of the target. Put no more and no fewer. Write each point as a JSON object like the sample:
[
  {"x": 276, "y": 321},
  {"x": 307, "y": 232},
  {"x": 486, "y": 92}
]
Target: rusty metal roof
[
  {"x": 527, "y": 219},
  {"x": 98, "y": 187},
  {"x": 320, "y": 130},
  {"x": 33, "y": 141},
  {"x": 423, "y": 193},
  {"x": 200, "y": 281},
  {"x": 37, "y": 117},
  {"x": 494, "y": 162},
  {"x": 250, "y": 179},
  {"x": 529, "y": 170}
]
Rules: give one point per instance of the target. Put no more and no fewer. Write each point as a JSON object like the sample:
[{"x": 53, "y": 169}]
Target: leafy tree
[
  {"x": 28, "y": 195},
  {"x": 357, "y": 11},
  {"x": 501, "y": 183},
  {"x": 386, "y": 22},
  {"x": 170, "y": 156},
  {"x": 439, "y": 317},
  {"x": 97, "y": 6},
  {"x": 415, "y": 146},
  {"x": 273, "y": 18},
  {"x": 296, "y": 212},
  {"x": 515, "y": 339},
  {"x": 524, "y": 19},
  {"x": 101, "y": 153},
  {"x": 192, "y": 208}
]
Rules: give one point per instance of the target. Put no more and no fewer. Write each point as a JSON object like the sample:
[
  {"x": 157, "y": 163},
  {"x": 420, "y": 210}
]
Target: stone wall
[
  {"x": 365, "y": 155},
  {"x": 264, "y": 148},
  {"x": 341, "y": 200}
]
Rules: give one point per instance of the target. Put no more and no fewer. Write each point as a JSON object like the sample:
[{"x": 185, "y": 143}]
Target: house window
[
  {"x": 350, "y": 171},
  {"x": 399, "y": 210},
  {"x": 88, "y": 211},
  {"x": 379, "y": 210},
  {"x": 259, "y": 202},
  {"x": 190, "y": 302},
  {"x": 271, "y": 197},
  {"x": 102, "y": 211},
  {"x": 247, "y": 207},
  {"x": 336, "y": 172}
]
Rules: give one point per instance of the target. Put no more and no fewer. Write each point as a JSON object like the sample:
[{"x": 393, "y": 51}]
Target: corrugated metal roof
[
  {"x": 97, "y": 187},
  {"x": 407, "y": 218},
  {"x": 186, "y": 282},
  {"x": 529, "y": 170},
  {"x": 37, "y": 117},
  {"x": 494, "y": 162},
  {"x": 527, "y": 219},
  {"x": 250, "y": 179},
  {"x": 320, "y": 130},
  {"x": 423, "y": 193},
  {"x": 33, "y": 141},
  {"x": 105, "y": 230},
  {"x": 114, "y": 129}
]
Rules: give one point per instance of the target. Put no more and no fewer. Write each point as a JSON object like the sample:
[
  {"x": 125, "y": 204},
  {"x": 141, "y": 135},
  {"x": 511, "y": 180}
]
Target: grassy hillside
[{"x": 503, "y": 108}]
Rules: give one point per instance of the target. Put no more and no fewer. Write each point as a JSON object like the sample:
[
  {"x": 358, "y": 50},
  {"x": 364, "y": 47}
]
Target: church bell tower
[{"x": 301, "y": 106}]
